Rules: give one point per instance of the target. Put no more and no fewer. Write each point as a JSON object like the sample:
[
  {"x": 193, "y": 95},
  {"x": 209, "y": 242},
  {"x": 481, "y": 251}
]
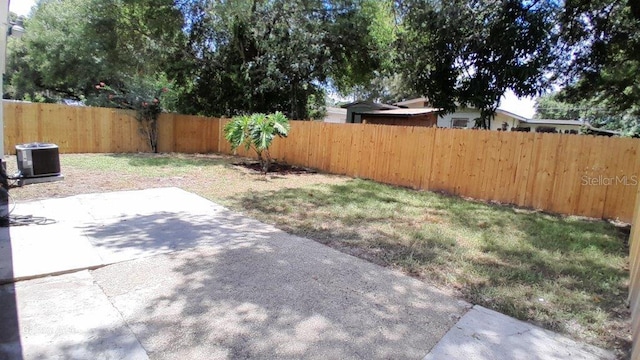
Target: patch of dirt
[
  {"x": 276, "y": 167},
  {"x": 214, "y": 176}
]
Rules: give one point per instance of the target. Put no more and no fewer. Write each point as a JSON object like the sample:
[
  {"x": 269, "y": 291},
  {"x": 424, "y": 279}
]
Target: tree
[
  {"x": 598, "y": 65},
  {"x": 362, "y": 43},
  {"x": 71, "y": 45},
  {"x": 266, "y": 56},
  {"x": 385, "y": 89},
  {"x": 601, "y": 43},
  {"x": 257, "y": 132},
  {"x": 142, "y": 96},
  {"x": 460, "y": 53},
  {"x": 243, "y": 57},
  {"x": 598, "y": 113},
  {"x": 550, "y": 106}
]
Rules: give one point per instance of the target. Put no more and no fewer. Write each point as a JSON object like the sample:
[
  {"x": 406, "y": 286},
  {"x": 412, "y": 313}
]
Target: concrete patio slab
[
  {"x": 32, "y": 251},
  {"x": 93, "y": 230},
  {"x": 484, "y": 334},
  {"x": 64, "y": 317},
  {"x": 205, "y": 282},
  {"x": 281, "y": 297},
  {"x": 180, "y": 277}
]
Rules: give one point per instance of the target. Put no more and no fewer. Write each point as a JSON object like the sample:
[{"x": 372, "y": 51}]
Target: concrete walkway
[{"x": 175, "y": 276}]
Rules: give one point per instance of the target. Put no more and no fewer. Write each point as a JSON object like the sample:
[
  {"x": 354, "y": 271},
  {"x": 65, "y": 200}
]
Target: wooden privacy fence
[
  {"x": 78, "y": 129},
  {"x": 568, "y": 174}
]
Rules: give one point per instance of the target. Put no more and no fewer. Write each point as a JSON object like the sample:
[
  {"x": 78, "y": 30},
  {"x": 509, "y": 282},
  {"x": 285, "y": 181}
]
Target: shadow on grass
[
  {"x": 172, "y": 160},
  {"x": 493, "y": 255}
]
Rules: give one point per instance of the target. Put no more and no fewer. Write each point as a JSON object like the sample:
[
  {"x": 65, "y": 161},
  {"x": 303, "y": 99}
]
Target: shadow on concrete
[
  {"x": 10, "y": 345},
  {"x": 275, "y": 296},
  {"x": 132, "y": 237},
  {"x": 98, "y": 343}
]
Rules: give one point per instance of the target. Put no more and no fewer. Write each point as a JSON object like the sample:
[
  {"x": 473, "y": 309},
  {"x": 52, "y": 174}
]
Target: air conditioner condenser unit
[{"x": 38, "y": 162}]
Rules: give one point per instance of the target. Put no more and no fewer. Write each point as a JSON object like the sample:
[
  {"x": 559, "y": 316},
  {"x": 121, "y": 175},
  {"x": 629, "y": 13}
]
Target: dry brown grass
[{"x": 211, "y": 176}]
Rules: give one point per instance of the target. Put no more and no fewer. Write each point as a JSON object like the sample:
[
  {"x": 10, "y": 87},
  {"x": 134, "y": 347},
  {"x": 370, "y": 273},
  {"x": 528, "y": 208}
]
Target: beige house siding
[
  {"x": 414, "y": 103},
  {"x": 501, "y": 118},
  {"x": 335, "y": 115},
  {"x": 466, "y": 118},
  {"x": 446, "y": 121}
]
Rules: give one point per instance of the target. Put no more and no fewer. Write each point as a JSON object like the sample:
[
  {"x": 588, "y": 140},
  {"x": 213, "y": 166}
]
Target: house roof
[
  {"x": 370, "y": 103},
  {"x": 603, "y": 131},
  {"x": 411, "y": 101},
  {"x": 426, "y": 100},
  {"x": 399, "y": 112},
  {"x": 554, "y": 122},
  {"x": 336, "y": 110},
  {"x": 515, "y": 116}
]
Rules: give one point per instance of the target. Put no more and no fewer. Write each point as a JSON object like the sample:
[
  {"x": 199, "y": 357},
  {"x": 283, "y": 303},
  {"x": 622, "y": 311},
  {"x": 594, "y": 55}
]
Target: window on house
[{"x": 459, "y": 123}]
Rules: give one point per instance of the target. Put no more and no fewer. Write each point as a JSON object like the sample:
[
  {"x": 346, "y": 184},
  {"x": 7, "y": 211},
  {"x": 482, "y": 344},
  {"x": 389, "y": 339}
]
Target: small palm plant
[{"x": 257, "y": 132}]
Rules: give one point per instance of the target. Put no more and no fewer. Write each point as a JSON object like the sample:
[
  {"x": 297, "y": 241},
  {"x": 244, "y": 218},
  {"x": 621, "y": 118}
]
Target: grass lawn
[{"x": 566, "y": 274}]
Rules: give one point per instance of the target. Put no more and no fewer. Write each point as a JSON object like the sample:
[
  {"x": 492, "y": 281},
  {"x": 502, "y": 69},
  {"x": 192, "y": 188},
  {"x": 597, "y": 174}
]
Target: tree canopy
[
  {"x": 602, "y": 57},
  {"x": 71, "y": 45},
  {"x": 245, "y": 56},
  {"x": 266, "y": 56},
  {"x": 597, "y": 112},
  {"x": 598, "y": 66},
  {"x": 461, "y": 53}
]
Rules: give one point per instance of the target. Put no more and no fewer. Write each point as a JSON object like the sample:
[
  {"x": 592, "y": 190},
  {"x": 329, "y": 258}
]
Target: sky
[
  {"x": 21, "y": 7},
  {"x": 510, "y": 102},
  {"x": 523, "y": 107}
]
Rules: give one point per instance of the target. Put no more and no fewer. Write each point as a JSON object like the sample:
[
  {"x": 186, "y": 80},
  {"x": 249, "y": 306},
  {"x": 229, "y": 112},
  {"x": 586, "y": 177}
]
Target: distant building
[
  {"x": 404, "y": 117},
  {"x": 418, "y": 112},
  {"x": 355, "y": 109},
  {"x": 367, "y": 112},
  {"x": 335, "y": 115},
  {"x": 465, "y": 118}
]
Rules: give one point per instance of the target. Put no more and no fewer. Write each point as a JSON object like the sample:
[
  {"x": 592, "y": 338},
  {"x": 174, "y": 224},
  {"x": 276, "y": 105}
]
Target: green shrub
[{"x": 257, "y": 132}]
